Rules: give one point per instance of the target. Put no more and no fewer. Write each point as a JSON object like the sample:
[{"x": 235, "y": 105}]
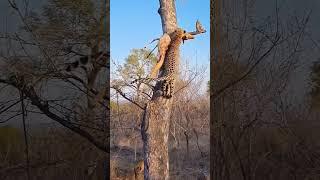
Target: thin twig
[{"x": 25, "y": 133}]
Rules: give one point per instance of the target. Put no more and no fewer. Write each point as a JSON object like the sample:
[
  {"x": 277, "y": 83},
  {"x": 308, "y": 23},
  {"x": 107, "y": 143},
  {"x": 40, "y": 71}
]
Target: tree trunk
[
  {"x": 156, "y": 118},
  {"x": 216, "y": 149}
]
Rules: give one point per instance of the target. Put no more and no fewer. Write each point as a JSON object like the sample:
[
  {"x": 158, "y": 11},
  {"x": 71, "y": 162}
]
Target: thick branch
[{"x": 36, "y": 101}]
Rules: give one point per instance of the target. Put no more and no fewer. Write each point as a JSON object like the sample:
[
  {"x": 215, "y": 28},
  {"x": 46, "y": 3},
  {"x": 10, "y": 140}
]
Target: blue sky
[{"x": 133, "y": 24}]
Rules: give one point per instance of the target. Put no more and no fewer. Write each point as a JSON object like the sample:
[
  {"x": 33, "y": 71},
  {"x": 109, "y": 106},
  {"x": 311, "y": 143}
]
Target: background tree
[
  {"x": 137, "y": 66},
  {"x": 65, "y": 34}
]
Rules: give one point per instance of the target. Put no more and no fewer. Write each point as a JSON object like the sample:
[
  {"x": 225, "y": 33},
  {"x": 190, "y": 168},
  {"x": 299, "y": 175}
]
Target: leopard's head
[{"x": 182, "y": 34}]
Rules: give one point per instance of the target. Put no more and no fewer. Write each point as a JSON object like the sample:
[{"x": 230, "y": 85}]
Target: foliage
[{"x": 137, "y": 64}]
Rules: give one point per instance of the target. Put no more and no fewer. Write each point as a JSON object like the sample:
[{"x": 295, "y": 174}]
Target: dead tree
[{"x": 156, "y": 117}]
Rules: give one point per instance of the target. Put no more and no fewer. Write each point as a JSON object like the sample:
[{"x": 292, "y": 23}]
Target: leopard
[
  {"x": 84, "y": 60},
  {"x": 171, "y": 61},
  {"x": 168, "y": 62}
]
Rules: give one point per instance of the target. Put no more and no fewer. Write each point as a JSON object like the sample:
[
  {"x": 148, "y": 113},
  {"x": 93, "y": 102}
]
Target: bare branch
[
  {"x": 127, "y": 98},
  {"x": 43, "y": 107}
]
